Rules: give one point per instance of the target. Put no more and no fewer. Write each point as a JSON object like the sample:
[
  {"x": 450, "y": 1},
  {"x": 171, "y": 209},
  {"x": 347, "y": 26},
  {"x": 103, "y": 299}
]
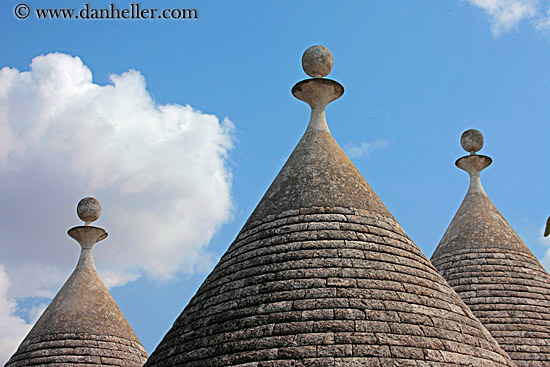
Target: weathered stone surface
[
  {"x": 318, "y": 172},
  {"x": 80, "y": 349},
  {"x": 471, "y": 141},
  {"x": 292, "y": 301},
  {"x": 82, "y": 325},
  {"x": 496, "y": 275},
  {"x": 317, "y": 61},
  {"x": 323, "y": 275},
  {"x": 325, "y": 286}
]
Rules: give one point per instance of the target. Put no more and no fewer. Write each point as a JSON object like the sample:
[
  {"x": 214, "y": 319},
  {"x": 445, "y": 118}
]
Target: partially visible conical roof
[
  {"x": 82, "y": 325},
  {"x": 323, "y": 275},
  {"x": 494, "y": 272}
]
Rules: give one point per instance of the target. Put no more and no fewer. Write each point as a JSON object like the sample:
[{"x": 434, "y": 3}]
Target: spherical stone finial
[
  {"x": 88, "y": 210},
  {"x": 317, "y": 61},
  {"x": 471, "y": 141}
]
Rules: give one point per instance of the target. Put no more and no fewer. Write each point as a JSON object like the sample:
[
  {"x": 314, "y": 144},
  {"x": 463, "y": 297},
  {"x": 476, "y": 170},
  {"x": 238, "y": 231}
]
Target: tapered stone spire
[
  {"x": 323, "y": 275},
  {"x": 494, "y": 272},
  {"x": 82, "y": 325}
]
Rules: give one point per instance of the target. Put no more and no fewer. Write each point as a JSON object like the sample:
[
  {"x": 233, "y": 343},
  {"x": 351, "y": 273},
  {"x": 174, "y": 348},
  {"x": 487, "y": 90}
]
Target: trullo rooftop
[
  {"x": 323, "y": 275},
  {"x": 494, "y": 272},
  {"x": 82, "y": 326}
]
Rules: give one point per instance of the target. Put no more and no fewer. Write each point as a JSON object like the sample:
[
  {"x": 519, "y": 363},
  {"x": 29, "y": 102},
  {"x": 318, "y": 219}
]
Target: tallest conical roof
[{"x": 323, "y": 275}]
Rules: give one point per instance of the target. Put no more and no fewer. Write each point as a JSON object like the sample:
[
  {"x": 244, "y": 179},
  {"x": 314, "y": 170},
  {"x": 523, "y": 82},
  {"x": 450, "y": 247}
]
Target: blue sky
[{"x": 179, "y": 126}]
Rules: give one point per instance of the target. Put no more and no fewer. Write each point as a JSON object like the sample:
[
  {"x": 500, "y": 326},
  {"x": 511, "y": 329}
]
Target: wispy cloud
[
  {"x": 508, "y": 14},
  {"x": 543, "y": 23},
  {"x": 13, "y": 327},
  {"x": 364, "y": 149},
  {"x": 160, "y": 172}
]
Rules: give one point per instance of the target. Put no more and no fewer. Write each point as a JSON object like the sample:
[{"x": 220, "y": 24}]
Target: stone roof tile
[
  {"x": 323, "y": 275},
  {"x": 494, "y": 272},
  {"x": 82, "y": 325}
]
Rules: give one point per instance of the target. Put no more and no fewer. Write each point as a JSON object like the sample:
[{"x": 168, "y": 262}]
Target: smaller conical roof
[
  {"x": 82, "y": 325},
  {"x": 493, "y": 271}
]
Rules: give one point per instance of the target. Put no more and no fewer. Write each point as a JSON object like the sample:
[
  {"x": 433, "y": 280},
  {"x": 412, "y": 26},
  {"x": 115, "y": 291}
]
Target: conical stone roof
[
  {"x": 323, "y": 275},
  {"x": 82, "y": 326},
  {"x": 494, "y": 272}
]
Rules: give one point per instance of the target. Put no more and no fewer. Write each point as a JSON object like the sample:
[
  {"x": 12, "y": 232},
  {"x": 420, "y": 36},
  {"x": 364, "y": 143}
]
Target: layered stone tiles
[
  {"x": 82, "y": 326},
  {"x": 323, "y": 275},
  {"x": 494, "y": 272}
]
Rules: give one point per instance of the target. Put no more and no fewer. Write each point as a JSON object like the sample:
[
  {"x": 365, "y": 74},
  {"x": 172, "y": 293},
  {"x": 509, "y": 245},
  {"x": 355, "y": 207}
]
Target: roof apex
[
  {"x": 323, "y": 275},
  {"x": 82, "y": 314},
  {"x": 495, "y": 273},
  {"x": 477, "y": 224}
]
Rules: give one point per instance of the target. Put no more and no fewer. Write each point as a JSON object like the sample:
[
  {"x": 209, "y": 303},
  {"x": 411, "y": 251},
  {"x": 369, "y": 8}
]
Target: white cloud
[
  {"x": 160, "y": 172},
  {"x": 13, "y": 327},
  {"x": 365, "y": 148},
  {"x": 507, "y": 14},
  {"x": 543, "y": 23}
]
